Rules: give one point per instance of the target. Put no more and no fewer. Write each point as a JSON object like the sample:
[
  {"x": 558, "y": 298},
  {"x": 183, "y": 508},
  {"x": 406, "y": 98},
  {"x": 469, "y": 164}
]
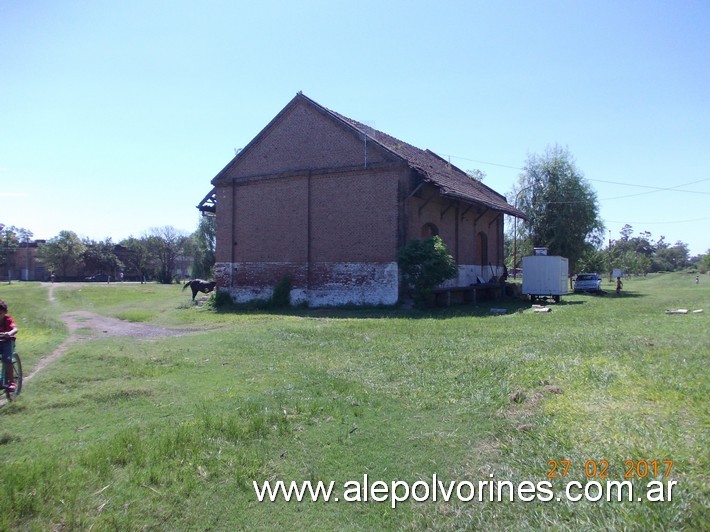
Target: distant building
[{"x": 23, "y": 264}]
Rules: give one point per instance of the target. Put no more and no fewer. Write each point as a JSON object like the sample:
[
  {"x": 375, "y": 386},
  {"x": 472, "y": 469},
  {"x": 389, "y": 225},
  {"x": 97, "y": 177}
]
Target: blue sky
[{"x": 115, "y": 116}]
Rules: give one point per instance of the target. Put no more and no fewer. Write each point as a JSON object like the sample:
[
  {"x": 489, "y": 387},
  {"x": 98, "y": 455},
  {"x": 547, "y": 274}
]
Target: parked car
[
  {"x": 588, "y": 282},
  {"x": 100, "y": 278}
]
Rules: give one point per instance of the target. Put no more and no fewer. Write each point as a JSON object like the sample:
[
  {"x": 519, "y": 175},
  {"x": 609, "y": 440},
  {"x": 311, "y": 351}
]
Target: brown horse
[{"x": 198, "y": 285}]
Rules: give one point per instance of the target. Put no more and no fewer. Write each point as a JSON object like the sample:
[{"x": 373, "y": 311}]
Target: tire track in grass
[{"x": 99, "y": 326}]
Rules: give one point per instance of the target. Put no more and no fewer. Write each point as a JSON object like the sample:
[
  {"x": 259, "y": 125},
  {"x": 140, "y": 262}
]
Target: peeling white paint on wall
[
  {"x": 359, "y": 284},
  {"x": 333, "y": 284}
]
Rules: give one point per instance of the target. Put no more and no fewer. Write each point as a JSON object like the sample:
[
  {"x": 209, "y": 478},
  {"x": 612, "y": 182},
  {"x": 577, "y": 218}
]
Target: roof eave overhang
[
  {"x": 510, "y": 211},
  {"x": 208, "y": 203},
  {"x": 505, "y": 209}
]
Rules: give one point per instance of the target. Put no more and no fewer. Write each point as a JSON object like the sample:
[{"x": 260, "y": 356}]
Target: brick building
[
  {"x": 22, "y": 264},
  {"x": 329, "y": 201}
]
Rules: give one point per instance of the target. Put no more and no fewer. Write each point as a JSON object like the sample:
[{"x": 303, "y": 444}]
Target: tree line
[
  {"x": 562, "y": 213},
  {"x": 161, "y": 254}
]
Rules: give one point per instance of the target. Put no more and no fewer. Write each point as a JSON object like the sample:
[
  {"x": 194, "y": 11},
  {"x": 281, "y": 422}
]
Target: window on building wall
[
  {"x": 429, "y": 230},
  {"x": 482, "y": 248}
]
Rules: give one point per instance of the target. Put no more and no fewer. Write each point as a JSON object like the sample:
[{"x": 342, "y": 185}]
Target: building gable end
[{"x": 304, "y": 137}]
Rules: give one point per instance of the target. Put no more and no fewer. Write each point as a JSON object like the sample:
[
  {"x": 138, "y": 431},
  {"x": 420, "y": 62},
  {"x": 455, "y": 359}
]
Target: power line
[
  {"x": 654, "y": 189},
  {"x": 660, "y": 223},
  {"x": 661, "y": 189},
  {"x": 484, "y": 162}
]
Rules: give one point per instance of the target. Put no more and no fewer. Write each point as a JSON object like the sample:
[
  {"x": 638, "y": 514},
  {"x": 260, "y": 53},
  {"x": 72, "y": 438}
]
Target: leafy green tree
[
  {"x": 204, "y": 242},
  {"x": 63, "y": 253},
  {"x": 671, "y": 258},
  {"x": 640, "y": 254},
  {"x": 562, "y": 208},
  {"x": 139, "y": 260},
  {"x": 626, "y": 233},
  {"x": 476, "y": 174},
  {"x": 166, "y": 244},
  {"x": 100, "y": 257},
  {"x": 705, "y": 262},
  {"x": 9, "y": 243},
  {"x": 634, "y": 263},
  {"x": 592, "y": 260},
  {"x": 426, "y": 264}
]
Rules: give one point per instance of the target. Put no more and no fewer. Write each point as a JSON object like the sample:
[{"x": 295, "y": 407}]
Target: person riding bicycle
[{"x": 8, "y": 331}]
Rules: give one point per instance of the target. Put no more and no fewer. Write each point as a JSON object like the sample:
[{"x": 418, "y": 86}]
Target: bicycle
[{"x": 17, "y": 366}]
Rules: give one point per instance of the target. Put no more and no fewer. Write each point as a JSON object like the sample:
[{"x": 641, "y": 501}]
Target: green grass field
[{"x": 170, "y": 433}]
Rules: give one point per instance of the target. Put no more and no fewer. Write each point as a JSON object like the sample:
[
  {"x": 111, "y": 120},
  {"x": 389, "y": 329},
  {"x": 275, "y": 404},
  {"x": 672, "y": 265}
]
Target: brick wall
[
  {"x": 459, "y": 226},
  {"x": 354, "y": 217},
  {"x": 305, "y": 139},
  {"x": 327, "y": 218},
  {"x": 310, "y": 227},
  {"x": 224, "y": 223},
  {"x": 271, "y": 220}
]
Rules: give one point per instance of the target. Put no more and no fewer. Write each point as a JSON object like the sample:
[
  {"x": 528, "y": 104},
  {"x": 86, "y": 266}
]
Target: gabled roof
[{"x": 450, "y": 180}]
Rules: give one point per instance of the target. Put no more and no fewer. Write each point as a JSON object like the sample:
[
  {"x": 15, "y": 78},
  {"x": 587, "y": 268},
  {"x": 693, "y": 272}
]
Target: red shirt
[{"x": 6, "y": 325}]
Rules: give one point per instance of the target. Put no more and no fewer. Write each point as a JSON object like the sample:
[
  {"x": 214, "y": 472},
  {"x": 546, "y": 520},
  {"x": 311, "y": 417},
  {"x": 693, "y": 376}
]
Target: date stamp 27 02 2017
[{"x": 632, "y": 469}]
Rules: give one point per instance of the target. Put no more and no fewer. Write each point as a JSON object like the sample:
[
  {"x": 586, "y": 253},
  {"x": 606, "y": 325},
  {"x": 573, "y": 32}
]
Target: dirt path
[{"x": 87, "y": 326}]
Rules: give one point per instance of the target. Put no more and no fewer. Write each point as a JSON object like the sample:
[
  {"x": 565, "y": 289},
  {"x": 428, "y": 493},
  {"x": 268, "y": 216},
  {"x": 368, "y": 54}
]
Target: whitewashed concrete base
[{"x": 318, "y": 285}]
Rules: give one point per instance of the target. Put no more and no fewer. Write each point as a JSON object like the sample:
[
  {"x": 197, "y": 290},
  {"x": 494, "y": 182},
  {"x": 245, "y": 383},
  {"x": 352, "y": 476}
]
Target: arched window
[
  {"x": 429, "y": 230},
  {"x": 482, "y": 248}
]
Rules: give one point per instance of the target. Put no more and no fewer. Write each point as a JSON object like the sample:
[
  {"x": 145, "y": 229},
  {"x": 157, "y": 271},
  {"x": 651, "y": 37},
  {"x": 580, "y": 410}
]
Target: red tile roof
[{"x": 450, "y": 180}]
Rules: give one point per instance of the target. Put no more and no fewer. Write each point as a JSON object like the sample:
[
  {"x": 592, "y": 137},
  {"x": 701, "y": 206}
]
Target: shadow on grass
[
  {"x": 611, "y": 294},
  {"x": 482, "y": 309},
  {"x": 625, "y": 294}
]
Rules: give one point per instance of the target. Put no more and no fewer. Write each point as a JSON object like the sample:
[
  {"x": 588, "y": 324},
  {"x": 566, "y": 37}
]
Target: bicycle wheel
[{"x": 17, "y": 365}]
